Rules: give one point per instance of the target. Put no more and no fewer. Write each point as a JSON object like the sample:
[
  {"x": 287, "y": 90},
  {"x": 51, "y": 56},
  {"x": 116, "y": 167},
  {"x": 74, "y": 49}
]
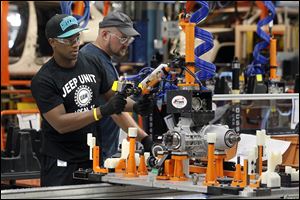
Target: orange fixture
[
  {"x": 245, "y": 173},
  {"x": 240, "y": 179},
  {"x": 273, "y": 59},
  {"x": 219, "y": 159},
  {"x": 131, "y": 166},
  {"x": 260, "y": 162},
  {"x": 237, "y": 180},
  {"x": 121, "y": 166},
  {"x": 96, "y": 158},
  {"x": 211, "y": 176},
  {"x": 142, "y": 169},
  {"x": 168, "y": 168},
  {"x": 189, "y": 29},
  {"x": 178, "y": 167}
]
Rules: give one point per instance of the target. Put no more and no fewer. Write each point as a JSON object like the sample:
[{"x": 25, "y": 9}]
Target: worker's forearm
[
  {"x": 124, "y": 121},
  {"x": 74, "y": 121}
]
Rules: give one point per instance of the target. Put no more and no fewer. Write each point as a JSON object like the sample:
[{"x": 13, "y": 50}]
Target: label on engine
[{"x": 179, "y": 101}]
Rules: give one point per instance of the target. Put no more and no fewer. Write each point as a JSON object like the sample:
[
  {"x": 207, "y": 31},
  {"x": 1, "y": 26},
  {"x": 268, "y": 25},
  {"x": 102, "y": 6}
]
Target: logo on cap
[{"x": 67, "y": 22}]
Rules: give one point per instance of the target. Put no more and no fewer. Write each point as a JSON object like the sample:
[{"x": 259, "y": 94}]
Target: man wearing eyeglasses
[
  {"x": 115, "y": 34},
  {"x": 67, "y": 91}
]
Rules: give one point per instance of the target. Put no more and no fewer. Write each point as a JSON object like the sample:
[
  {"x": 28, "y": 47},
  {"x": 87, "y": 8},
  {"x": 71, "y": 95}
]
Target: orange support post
[
  {"x": 78, "y": 8},
  {"x": 131, "y": 166},
  {"x": 178, "y": 168},
  {"x": 273, "y": 59},
  {"x": 210, "y": 178},
  {"x": 237, "y": 179},
  {"x": 189, "y": 52},
  {"x": 168, "y": 169},
  {"x": 189, "y": 29},
  {"x": 4, "y": 44},
  {"x": 142, "y": 169},
  {"x": 219, "y": 164},
  {"x": 121, "y": 166},
  {"x": 96, "y": 158},
  {"x": 260, "y": 162},
  {"x": 245, "y": 173}
]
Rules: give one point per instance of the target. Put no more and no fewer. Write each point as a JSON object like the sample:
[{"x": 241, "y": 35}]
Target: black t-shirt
[{"x": 78, "y": 89}]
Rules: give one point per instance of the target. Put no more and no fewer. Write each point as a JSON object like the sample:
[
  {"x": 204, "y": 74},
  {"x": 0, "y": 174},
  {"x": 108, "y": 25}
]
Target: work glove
[
  {"x": 144, "y": 106},
  {"x": 147, "y": 142},
  {"x": 115, "y": 105}
]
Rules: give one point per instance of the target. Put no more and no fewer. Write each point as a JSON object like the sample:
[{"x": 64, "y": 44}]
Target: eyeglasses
[
  {"x": 68, "y": 41},
  {"x": 123, "y": 40}
]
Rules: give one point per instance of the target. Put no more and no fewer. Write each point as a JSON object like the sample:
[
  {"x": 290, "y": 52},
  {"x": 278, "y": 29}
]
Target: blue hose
[
  {"x": 256, "y": 67},
  {"x": 207, "y": 70},
  {"x": 66, "y": 8},
  {"x": 141, "y": 75}
]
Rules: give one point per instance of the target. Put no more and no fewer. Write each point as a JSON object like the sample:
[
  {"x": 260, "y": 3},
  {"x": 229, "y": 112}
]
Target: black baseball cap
[
  {"x": 62, "y": 26},
  {"x": 121, "y": 21}
]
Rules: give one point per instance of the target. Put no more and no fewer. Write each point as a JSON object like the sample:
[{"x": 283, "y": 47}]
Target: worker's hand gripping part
[
  {"x": 147, "y": 142},
  {"x": 143, "y": 106},
  {"x": 115, "y": 105}
]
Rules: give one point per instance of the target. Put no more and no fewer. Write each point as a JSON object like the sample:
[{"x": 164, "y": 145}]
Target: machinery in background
[
  {"x": 256, "y": 71},
  {"x": 28, "y": 47},
  {"x": 24, "y": 50},
  {"x": 186, "y": 97}
]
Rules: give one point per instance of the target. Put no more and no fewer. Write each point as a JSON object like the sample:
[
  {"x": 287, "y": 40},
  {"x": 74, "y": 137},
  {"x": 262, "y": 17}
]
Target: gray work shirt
[{"x": 107, "y": 129}]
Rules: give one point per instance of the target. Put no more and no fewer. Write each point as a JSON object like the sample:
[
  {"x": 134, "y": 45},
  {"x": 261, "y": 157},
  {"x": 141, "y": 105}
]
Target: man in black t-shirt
[{"x": 67, "y": 90}]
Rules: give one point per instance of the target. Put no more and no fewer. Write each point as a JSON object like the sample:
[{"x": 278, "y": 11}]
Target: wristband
[{"x": 95, "y": 114}]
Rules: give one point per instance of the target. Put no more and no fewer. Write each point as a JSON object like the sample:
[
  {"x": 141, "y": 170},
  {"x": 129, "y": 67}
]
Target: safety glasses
[
  {"x": 68, "y": 42},
  {"x": 123, "y": 40}
]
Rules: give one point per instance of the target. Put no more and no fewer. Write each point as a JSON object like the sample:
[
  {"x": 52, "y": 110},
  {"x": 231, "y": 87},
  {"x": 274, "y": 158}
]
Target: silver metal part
[
  {"x": 184, "y": 138},
  {"x": 197, "y": 103},
  {"x": 157, "y": 148},
  {"x": 169, "y": 122},
  {"x": 226, "y": 137}
]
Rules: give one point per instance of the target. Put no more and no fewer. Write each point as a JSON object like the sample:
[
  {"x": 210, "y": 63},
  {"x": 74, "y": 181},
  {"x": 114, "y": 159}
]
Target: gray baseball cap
[{"x": 121, "y": 21}]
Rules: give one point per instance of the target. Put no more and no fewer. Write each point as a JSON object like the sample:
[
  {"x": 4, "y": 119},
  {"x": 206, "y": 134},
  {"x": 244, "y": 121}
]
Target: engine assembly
[{"x": 192, "y": 140}]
